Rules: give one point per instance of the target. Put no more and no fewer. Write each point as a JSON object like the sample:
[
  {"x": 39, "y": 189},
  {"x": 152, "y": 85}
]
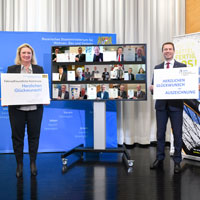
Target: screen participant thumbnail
[
  {"x": 80, "y": 57},
  {"x": 103, "y": 94},
  {"x": 98, "y": 56}
]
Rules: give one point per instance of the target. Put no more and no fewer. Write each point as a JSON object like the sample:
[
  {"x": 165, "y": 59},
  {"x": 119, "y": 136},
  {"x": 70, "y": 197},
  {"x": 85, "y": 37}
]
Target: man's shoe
[
  {"x": 19, "y": 170},
  {"x": 157, "y": 164},
  {"x": 33, "y": 169},
  {"x": 177, "y": 168}
]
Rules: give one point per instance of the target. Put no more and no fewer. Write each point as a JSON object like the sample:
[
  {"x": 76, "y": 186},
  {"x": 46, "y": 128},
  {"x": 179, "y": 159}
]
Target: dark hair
[
  {"x": 142, "y": 70},
  {"x": 171, "y": 43}
]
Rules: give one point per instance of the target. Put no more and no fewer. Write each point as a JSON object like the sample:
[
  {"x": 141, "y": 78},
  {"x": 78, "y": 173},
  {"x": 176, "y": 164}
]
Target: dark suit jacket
[
  {"x": 140, "y": 96},
  {"x": 105, "y": 95},
  {"x": 66, "y": 94},
  {"x": 172, "y": 105},
  {"x": 98, "y": 58},
  {"x": 64, "y": 77},
  {"x": 143, "y": 58},
  {"x": 122, "y": 57},
  {"x": 87, "y": 76},
  {"x": 105, "y": 76},
  {"x": 81, "y": 58},
  {"x": 123, "y": 95},
  {"x": 132, "y": 77},
  {"x": 17, "y": 69}
]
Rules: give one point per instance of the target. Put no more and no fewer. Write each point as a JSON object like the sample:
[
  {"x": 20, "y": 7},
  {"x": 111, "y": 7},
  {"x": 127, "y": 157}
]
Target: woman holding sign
[{"x": 25, "y": 115}]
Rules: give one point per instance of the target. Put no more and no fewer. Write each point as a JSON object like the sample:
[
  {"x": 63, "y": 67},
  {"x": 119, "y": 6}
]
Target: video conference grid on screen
[{"x": 112, "y": 72}]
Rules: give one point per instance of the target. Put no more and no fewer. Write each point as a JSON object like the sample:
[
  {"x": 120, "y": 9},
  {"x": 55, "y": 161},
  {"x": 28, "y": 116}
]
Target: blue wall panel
[{"x": 65, "y": 124}]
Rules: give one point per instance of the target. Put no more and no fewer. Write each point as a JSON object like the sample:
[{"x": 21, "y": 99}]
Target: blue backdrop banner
[{"x": 65, "y": 124}]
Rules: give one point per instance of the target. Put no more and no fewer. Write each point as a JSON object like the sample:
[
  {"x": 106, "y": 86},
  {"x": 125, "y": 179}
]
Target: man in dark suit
[
  {"x": 54, "y": 55},
  {"x": 122, "y": 94},
  {"x": 62, "y": 75},
  {"x": 98, "y": 57},
  {"x": 80, "y": 57},
  {"x": 105, "y": 75},
  {"x": 63, "y": 94},
  {"x": 120, "y": 55},
  {"x": 130, "y": 74},
  {"x": 165, "y": 109},
  {"x": 103, "y": 94},
  {"x": 139, "y": 94},
  {"x": 87, "y": 74}
]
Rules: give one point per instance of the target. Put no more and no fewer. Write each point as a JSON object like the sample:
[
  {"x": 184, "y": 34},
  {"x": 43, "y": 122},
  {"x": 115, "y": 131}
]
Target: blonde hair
[{"x": 18, "y": 59}]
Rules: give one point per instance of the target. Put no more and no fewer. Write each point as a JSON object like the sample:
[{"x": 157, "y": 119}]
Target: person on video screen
[
  {"x": 122, "y": 94},
  {"x": 103, "y": 94},
  {"x": 83, "y": 94},
  {"x": 63, "y": 94},
  {"x": 105, "y": 75},
  {"x": 120, "y": 55},
  {"x": 139, "y": 94},
  {"x": 62, "y": 75},
  {"x": 87, "y": 74},
  {"x": 54, "y": 55},
  {"x": 139, "y": 54},
  {"x": 79, "y": 74},
  {"x": 95, "y": 74},
  {"x": 80, "y": 57},
  {"x": 98, "y": 56},
  {"x": 141, "y": 71},
  {"x": 130, "y": 74}
]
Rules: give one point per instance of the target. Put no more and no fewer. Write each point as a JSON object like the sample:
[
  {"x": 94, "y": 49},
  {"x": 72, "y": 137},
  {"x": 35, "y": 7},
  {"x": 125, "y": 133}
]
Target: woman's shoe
[
  {"x": 33, "y": 169},
  {"x": 19, "y": 171}
]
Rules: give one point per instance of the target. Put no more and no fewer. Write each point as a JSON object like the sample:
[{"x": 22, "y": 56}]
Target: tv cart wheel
[
  {"x": 130, "y": 163},
  {"x": 64, "y": 161}
]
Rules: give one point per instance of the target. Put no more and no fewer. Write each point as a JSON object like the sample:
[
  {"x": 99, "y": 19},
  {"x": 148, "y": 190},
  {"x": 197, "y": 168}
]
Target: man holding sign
[
  {"x": 25, "y": 115},
  {"x": 165, "y": 109}
]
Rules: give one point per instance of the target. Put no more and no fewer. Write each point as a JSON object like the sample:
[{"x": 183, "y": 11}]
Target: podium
[{"x": 99, "y": 110}]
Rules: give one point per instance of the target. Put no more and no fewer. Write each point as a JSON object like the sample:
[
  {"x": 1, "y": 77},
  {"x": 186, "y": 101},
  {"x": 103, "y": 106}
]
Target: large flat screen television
[{"x": 99, "y": 72}]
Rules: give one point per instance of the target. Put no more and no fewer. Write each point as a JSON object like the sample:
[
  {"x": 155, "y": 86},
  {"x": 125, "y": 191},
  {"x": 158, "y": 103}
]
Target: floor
[{"x": 99, "y": 177}]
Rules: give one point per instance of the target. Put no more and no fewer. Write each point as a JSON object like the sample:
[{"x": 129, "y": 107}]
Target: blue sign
[{"x": 65, "y": 124}]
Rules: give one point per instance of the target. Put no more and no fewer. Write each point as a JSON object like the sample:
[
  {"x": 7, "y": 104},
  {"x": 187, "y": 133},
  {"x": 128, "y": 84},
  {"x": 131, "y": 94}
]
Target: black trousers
[
  {"x": 19, "y": 120},
  {"x": 176, "y": 118}
]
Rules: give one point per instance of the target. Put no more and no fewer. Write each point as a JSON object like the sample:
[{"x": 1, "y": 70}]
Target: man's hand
[{"x": 151, "y": 88}]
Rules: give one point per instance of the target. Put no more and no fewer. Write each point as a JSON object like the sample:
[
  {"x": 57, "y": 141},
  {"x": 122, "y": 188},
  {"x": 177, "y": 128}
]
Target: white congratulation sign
[
  {"x": 176, "y": 83},
  {"x": 24, "y": 89}
]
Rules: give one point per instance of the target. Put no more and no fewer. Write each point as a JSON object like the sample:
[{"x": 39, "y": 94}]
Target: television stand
[{"x": 99, "y": 138}]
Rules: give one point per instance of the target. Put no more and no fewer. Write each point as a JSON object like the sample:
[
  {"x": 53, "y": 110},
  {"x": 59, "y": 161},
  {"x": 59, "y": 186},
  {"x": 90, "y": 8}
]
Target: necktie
[
  {"x": 119, "y": 58},
  {"x": 168, "y": 63}
]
